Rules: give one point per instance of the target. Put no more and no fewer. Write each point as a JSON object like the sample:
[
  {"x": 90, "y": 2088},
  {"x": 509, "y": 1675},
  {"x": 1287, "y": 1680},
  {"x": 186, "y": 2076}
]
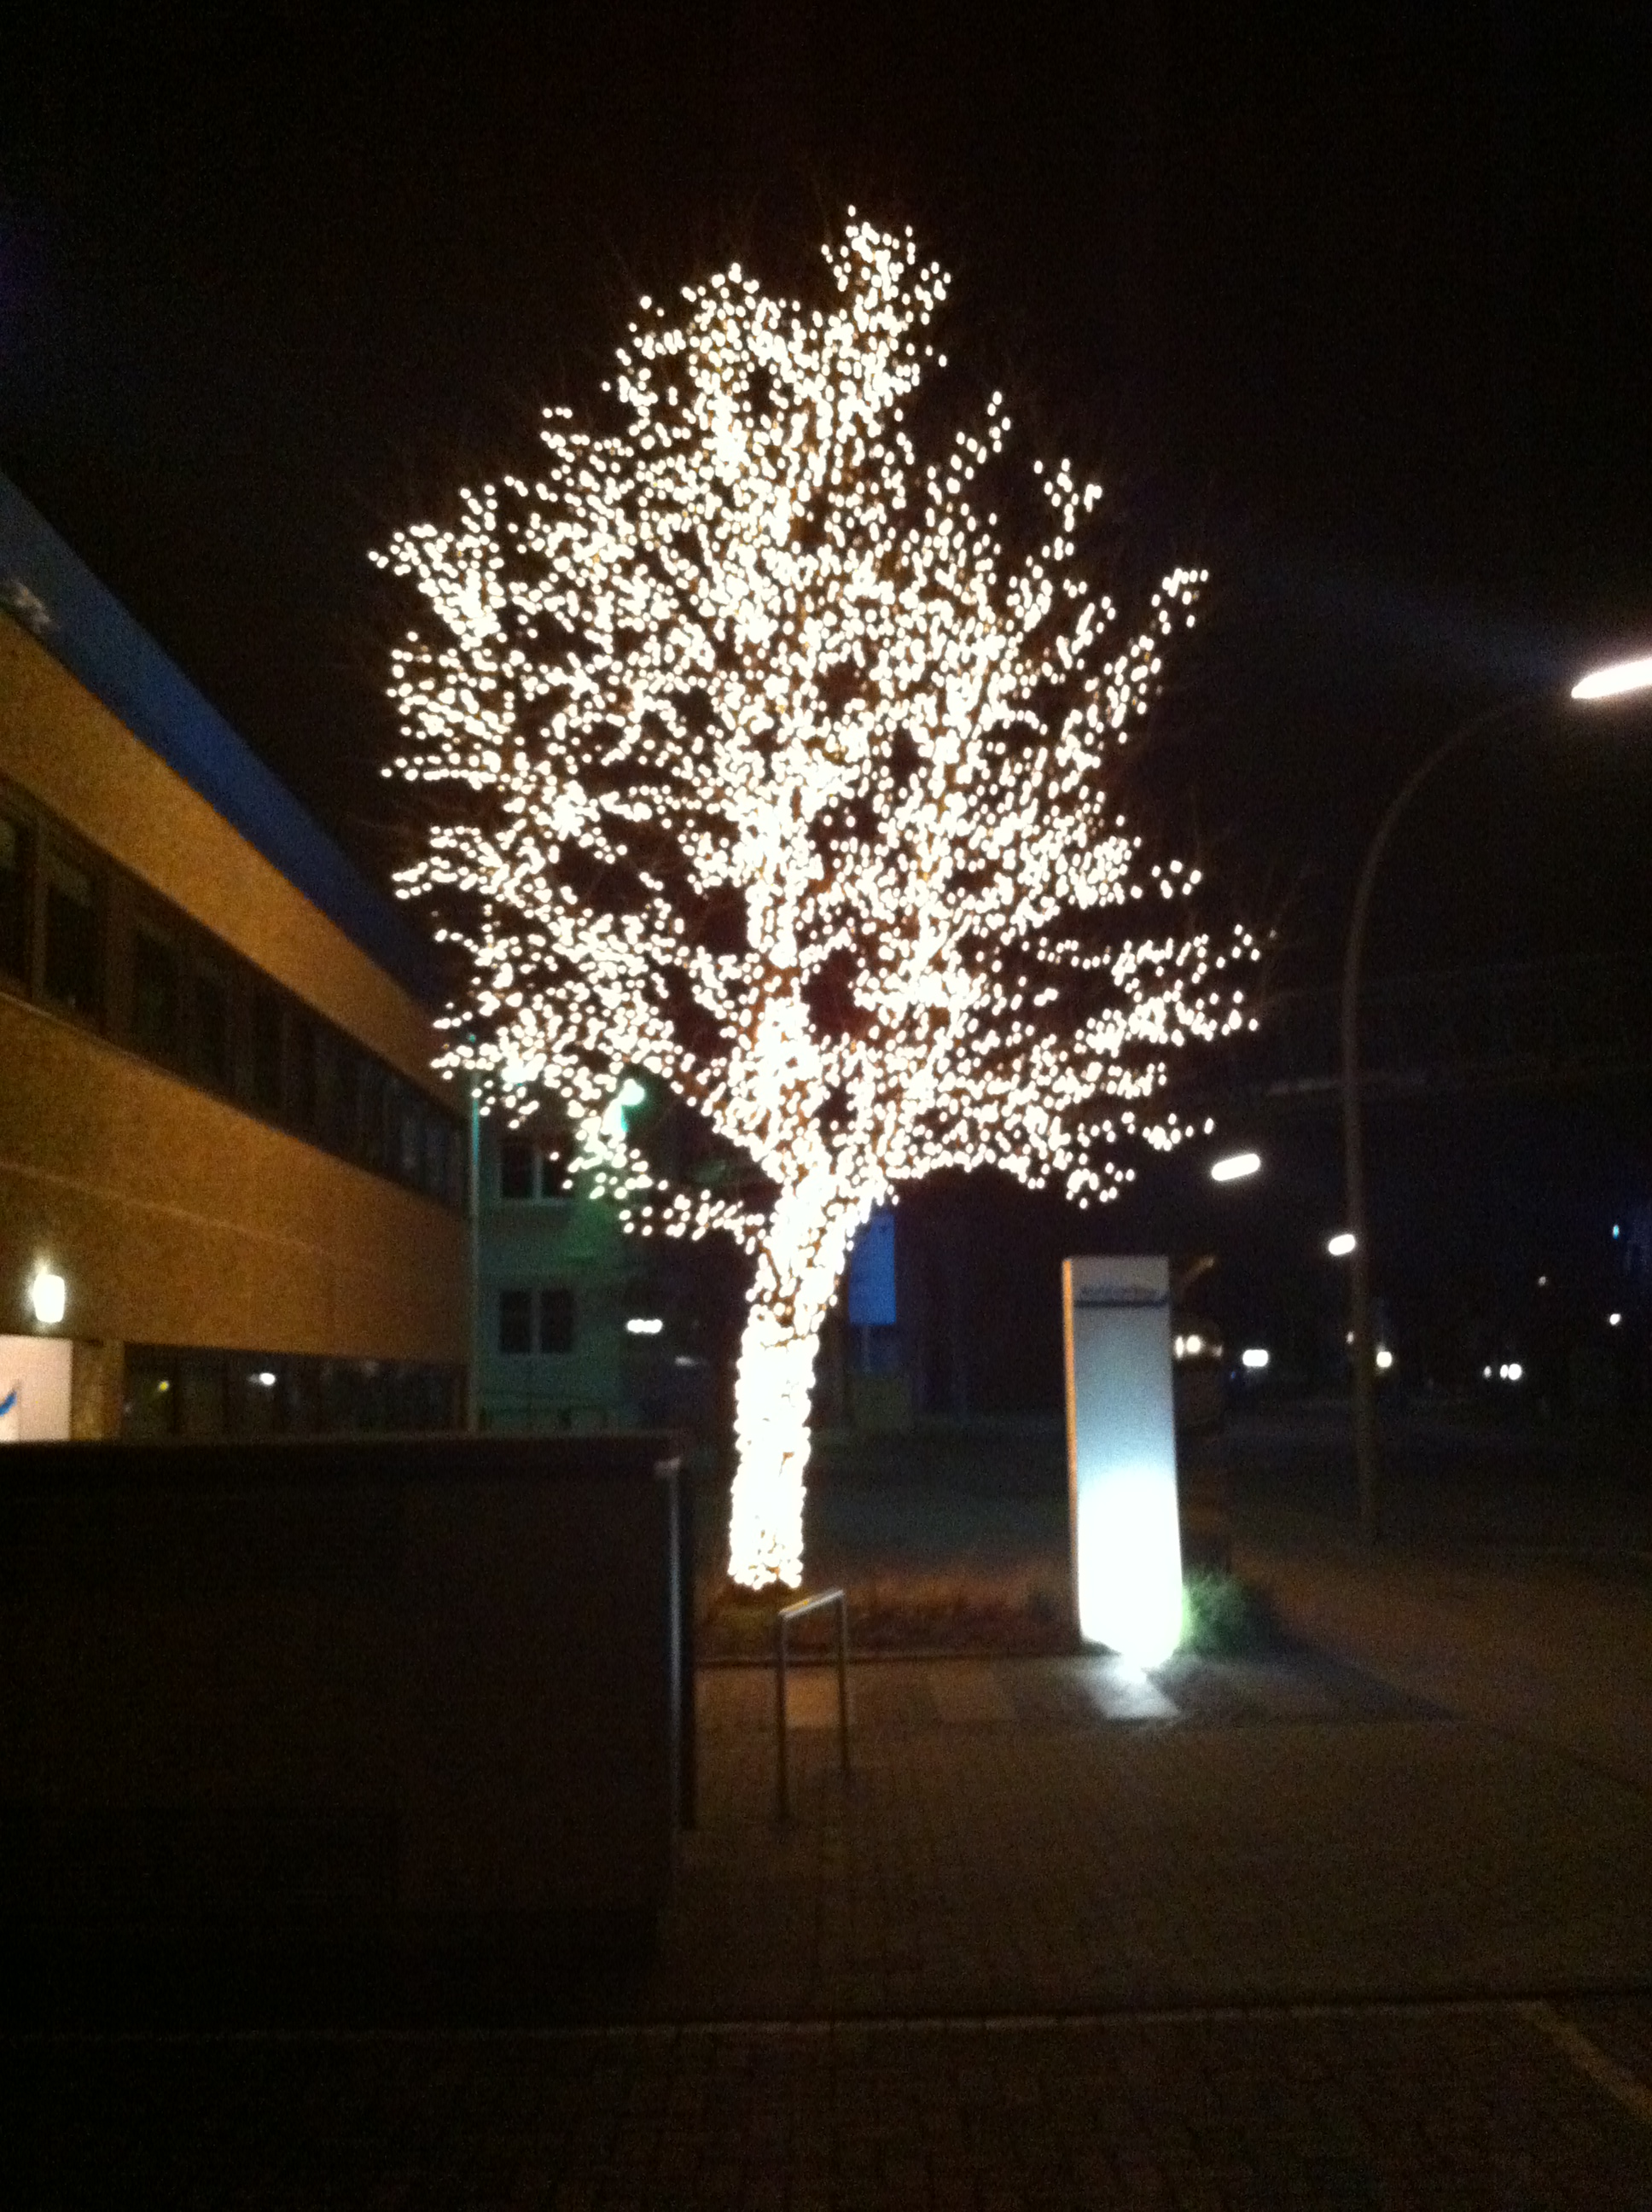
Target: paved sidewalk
[
  {"x": 1245, "y": 1934},
  {"x": 1456, "y": 2108},
  {"x": 1555, "y": 1650},
  {"x": 1011, "y": 1840}
]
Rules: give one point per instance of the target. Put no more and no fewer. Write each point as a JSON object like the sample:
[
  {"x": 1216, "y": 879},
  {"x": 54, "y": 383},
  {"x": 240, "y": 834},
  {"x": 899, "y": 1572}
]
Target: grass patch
[
  {"x": 1016, "y": 1614},
  {"x": 1223, "y": 1618}
]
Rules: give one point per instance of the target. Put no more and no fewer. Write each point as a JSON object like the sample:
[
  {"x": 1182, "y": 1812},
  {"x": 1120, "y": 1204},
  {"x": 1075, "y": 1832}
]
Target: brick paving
[
  {"x": 1272, "y": 1935},
  {"x": 1276, "y": 1833},
  {"x": 1450, "y": 2106}
]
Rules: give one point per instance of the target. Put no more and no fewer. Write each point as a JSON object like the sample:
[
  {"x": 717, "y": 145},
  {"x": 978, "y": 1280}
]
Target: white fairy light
[{"x": 784, "y": 785}]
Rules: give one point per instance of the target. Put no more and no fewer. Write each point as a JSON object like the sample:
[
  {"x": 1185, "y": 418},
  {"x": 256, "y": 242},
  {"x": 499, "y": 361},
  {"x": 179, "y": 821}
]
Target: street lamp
[{"x": 1617, "y": 680}]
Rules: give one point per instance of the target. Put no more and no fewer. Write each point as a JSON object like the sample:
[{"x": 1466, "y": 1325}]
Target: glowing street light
[
  {"x": 1236, "y": 1167},
  {"x": 1342, "y": 1244},
  {"x": 1615, "y": 681}
]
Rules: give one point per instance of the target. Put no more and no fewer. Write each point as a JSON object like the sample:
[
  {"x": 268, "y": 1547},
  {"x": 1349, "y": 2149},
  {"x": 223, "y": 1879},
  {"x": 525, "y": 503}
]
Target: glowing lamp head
[
  {"x": 48, "y": 1297},
  {"x": 1255, "y": 1357},
  {"x": 1341, "y": 1244},
  {"x": 1617, "y": 680},
  {"x": 644, "y": 1325},
  {"x": 1236, "y": 1167}
]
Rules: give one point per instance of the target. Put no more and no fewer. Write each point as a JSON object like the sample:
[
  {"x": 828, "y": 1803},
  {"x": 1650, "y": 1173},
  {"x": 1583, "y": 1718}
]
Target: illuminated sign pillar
[{"x": 1121, "y": 1456}]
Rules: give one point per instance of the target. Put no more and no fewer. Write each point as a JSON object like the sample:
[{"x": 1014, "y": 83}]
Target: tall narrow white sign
[{"x": 1122, "y": 1454}]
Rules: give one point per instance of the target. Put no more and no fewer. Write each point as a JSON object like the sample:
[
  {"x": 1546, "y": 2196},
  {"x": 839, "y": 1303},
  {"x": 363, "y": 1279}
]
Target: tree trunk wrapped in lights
[{"x": 775, "y": 777}]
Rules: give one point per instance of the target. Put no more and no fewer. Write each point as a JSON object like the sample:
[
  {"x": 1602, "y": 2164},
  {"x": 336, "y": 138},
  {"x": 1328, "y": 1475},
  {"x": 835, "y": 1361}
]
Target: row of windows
[
  {"x": 201, "y": 1396},
  {"x": 554, "y": 1311},
  {"x": 79, "y": 934}
]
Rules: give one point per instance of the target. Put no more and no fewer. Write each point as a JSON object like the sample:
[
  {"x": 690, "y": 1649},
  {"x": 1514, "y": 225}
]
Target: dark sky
[{"x": 1349, "y": 305}]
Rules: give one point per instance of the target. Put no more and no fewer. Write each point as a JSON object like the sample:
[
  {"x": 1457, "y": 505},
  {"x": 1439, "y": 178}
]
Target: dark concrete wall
[{"x": 369, "y": 1686}]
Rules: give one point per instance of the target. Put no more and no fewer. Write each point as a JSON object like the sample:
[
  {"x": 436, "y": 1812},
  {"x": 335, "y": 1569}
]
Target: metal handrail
[{"x": 783, "y": 1619}]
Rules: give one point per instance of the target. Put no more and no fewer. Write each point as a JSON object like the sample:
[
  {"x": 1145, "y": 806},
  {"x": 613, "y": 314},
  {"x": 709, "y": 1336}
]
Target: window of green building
[
  {"x": 516, "y": 1321},
  {"x": 556, "y": 1320}
]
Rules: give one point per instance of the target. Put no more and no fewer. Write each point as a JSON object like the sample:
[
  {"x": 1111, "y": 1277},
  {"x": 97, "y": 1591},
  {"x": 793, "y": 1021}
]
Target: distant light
[
  {"x": 1617, "y": 1230},
  {"x": 1341, "y": 1244},
  {"x": 264, "y": 1379},
  {"x": 48, "y": 1295},
  {"x": 1384, "y": 1357},
  {"x": 1486, "y": 1372},
  {"x": 1254, "y": 1356},
  {"x": 644, "y": 1325},
  {"x": 1612, "y": 681},
  {"x": 632, "y": 1093},
  {"x": 1613, "y": 1321},
  {"x": 1236, "y": 1167},
  {"x": 687, "y": 1359},
  {"x": 1189, "y": 1346},
  {"x": 1511, "y": 1371},
  {"x": 1543, "y": 1282}
]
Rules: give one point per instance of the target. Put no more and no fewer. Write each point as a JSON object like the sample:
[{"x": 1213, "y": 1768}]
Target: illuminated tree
[{"x": 778, "y": 779}]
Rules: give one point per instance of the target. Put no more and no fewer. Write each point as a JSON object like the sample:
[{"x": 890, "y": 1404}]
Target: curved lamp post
[{"x": 1618, "y": 680}]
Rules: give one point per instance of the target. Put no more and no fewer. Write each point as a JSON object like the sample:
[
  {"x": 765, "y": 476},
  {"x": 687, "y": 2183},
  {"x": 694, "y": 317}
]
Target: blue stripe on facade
[{"x": 51, "y": 591}]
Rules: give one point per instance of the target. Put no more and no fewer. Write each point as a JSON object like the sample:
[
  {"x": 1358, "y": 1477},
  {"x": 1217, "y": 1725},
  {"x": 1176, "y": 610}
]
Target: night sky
[{"x": 1350, "y": 306}]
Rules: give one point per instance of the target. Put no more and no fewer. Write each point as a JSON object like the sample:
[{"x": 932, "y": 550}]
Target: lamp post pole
[
  {"x": 1353, "y": 1134},
  {"x": 1619, "y": 680},
  {"x": 473, "y": 1268}
]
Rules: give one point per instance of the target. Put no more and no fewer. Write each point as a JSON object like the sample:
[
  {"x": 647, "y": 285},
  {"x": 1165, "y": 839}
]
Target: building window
[
  {"x": 301, "y": 1068},
  {"x": 175, "y": 995},
  {"x": 410, "y": 1138},
  {"x": 515, "y": 1169},
  {"x": 266, "y": 1050},
  {"x": 157, "y": 995},
  {"x": 516, "y": 1321},
  {"x": 556, "y": 1321},
  {"x": 211, "y": 1038},
  {"x": 13, "y": 898},
  {"x": 370, "y": 1116},
  {"x": 74, "y": 947},
  {"x": 149, "y": 1413},
  {"x": 337, "y": 1079}
]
